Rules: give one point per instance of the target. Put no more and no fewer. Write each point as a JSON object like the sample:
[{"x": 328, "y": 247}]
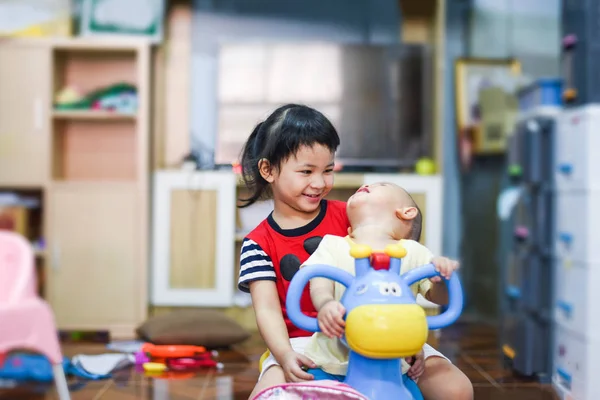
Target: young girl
[{"x": 288, "y": 157}]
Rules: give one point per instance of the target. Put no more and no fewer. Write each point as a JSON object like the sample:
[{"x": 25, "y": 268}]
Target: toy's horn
[{"x": 396, "y": 252}]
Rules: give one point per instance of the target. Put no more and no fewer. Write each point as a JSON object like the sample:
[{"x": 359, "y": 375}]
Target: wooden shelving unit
[
  {"x": 100, "y": 184},
  {"x": 92, "y": 167},
  {"x": 424, "y": 22}
]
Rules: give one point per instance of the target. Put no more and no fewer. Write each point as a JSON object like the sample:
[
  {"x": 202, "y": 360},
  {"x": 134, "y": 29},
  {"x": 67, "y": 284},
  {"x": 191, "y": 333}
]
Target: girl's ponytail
[{"x": 251, "y": 154}]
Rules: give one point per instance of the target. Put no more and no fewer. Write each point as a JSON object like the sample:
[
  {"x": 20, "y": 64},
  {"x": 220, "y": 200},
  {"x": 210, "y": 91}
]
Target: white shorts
[{"x": 300, "y": 343}]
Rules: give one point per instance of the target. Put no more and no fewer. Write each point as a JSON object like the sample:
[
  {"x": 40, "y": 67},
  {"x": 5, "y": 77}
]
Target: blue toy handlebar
[
  {"x": 455, "y": 294},
  {"x": 300, "y": 280},
  {"x": 304, "y": 275}
]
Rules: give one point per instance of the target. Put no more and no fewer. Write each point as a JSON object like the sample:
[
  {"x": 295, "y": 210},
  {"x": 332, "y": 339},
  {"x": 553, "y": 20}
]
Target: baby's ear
[
  {"x": 349, "y": 231},
  {"x": 406, "y": 213}
]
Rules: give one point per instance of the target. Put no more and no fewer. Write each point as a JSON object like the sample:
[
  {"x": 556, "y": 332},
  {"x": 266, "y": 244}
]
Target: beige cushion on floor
[{"x": 212, "y": 329}]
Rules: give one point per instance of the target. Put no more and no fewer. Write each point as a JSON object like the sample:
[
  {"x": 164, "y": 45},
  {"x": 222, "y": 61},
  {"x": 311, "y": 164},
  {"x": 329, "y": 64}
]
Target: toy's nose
[
  {"x": 380, "y": 261},
  {"x": 386, "y": 330}
]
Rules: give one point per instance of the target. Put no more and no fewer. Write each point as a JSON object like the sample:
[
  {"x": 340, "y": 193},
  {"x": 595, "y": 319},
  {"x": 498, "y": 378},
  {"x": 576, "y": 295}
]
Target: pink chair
[{"x": 26, "y": 321}]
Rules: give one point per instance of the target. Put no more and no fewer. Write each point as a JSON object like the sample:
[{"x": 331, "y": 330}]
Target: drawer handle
[
  {"x": 565, "y": 237},
  {"x": 564, "y": 375},
  {"x": 521, "y": 232},
  {"x": 513, "y": 292},
  {"x": 567, "y": 308},
  {"x": 565, "y": 168}
]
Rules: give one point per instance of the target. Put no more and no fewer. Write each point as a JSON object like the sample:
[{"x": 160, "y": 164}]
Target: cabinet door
[
  {"x": 96, "y": 280},
  {"x": 193, "y": 239},
  {"x": 25, "y": 80}
]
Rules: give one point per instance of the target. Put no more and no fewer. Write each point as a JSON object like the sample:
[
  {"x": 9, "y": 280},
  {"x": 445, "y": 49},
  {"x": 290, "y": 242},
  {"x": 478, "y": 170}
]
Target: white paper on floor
[{"x": 103, "y": 364}]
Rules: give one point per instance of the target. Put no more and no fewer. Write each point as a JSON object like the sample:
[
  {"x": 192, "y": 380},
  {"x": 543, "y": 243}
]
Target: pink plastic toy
[
  {"x": 27, "y": 320},
  {"x": 141, "y": 358},
  {"x": 321, "y": 390}
]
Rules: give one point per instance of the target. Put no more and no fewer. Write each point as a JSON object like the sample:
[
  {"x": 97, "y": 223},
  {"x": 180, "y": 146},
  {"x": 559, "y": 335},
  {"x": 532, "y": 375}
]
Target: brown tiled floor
[{"x": 471, "y": 347}]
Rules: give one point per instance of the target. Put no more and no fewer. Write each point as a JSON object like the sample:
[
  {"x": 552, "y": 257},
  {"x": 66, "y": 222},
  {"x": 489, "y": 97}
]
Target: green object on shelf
[
  {"x": 88, "y": 101},
  {"x": 515, "y": 170},
  {"x": 425, "y": 166},
  {"x": 84, "y": 104}
]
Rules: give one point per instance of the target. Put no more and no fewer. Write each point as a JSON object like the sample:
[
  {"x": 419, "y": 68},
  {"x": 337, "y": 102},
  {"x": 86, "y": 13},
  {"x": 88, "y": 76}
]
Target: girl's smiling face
[{"x": 303, "y": 180}]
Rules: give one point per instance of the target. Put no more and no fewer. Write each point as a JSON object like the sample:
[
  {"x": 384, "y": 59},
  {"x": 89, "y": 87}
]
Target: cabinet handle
[
  {"x": 513, "y": 292},
  {"x": 521, "y": 232},
  {"x": 565, "y": 168},
  {"x": 55, "y": 257},
  {"x": 565, "y": 307},
  {"x": 565, "y": 237},
  {"x": 564, "y": 376},
  {"x": 38, "y": 114}
]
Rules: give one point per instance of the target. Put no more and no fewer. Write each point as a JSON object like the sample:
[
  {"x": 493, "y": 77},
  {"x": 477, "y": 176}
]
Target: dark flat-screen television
[{"x": 377, "y": 96}]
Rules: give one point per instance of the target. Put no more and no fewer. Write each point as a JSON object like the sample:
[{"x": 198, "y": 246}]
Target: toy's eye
[
  {"x": 361, "y": 289},
  {"x": 384, "y": 289},
  {"x": 395, "y": 289}
]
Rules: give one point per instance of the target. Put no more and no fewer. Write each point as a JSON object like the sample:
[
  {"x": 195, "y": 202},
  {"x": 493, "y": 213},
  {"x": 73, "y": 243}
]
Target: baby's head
[{"x": 387, "y": 205}]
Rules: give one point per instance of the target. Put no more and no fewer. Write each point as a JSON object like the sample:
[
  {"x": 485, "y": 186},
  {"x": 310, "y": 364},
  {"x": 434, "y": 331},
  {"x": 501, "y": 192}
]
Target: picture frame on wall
[
  {"x": 130, "y": 18},
  {"x": 472, "y": 77}
]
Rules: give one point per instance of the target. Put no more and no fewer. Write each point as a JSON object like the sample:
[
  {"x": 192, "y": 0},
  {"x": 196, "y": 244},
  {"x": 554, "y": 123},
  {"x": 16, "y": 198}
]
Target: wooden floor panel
[{"x": 472, "y": 347}]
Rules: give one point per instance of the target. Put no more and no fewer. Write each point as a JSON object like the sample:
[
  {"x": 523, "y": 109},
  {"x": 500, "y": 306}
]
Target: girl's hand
[
  {"x": 292, "y": 364},
  {"x": 331, "y": 319},
  {"x": 445, "y": 267},
  {"x": 418, "y": 366}
]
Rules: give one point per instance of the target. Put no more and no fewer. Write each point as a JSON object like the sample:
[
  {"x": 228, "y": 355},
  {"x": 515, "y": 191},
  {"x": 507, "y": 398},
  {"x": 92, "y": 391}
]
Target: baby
[{"x": 381, "y": 214}]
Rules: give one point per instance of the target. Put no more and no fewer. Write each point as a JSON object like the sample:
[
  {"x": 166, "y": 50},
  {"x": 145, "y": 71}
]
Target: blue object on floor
[
  {"x": 36, "y": 367},
  {"x": 72, "y": 369},
  {"x": 27, "y": 367}
]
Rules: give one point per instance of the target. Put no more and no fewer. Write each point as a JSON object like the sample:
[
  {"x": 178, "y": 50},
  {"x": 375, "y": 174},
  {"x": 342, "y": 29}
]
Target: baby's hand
[
  {"x": 418, "y": 365},
  {"x": 445, "y": 267},
  {"x": 331, "y": 319}
]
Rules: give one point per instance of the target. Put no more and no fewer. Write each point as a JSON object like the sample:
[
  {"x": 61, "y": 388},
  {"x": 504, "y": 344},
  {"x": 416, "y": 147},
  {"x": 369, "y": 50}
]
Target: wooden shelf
[
  {"x": 107, "y": 185},
  {"x": 95, "y": 145},
  {"x": 85, "y": 150},
  {"x": 90, "y": 71},
  {"x": 99, "y": 44},
  {"x": 91, "y": 115}
]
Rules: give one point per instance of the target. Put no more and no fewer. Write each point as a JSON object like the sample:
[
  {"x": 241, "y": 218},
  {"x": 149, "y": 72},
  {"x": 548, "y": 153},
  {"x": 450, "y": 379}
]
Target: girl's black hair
[{"x": 277, "y": 138}]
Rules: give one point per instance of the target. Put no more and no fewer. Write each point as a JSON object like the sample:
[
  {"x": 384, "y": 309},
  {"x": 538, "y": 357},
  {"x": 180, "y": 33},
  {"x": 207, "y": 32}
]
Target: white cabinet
[
  {"x": 577, "y": 254},
  {"x": 193, "y": 240},
  {"x": 577, "y": 165}
]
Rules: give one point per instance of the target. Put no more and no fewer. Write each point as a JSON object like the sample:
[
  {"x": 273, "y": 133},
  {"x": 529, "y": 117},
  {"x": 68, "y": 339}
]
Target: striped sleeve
[{"x": 255, "y": 265}]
